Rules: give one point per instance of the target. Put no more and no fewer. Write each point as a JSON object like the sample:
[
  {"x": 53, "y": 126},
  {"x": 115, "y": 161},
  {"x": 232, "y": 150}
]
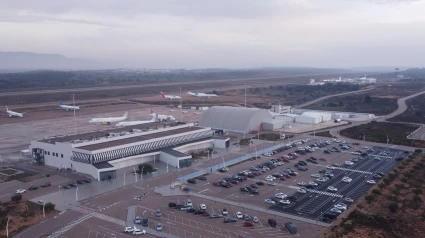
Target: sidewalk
[{"x": 167, "y": 191}]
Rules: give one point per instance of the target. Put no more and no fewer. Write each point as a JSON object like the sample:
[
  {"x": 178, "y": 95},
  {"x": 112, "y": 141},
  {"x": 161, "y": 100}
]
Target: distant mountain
[{"x": 17, "y": 61}]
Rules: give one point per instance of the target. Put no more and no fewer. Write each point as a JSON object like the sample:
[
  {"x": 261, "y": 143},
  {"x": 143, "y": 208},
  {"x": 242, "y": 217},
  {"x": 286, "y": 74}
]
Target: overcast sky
[{"x": 220, "y": 33}]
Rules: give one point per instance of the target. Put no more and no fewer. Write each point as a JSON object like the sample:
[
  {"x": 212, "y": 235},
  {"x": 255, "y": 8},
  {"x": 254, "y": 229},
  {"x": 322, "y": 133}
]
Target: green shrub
[
  {"x": 386, "y": 181},
  {"x": 16, "y": 197},
  {"x": 49, "y": 207},
  {"x": 147, "y": 168},
  {"x": 393, "y": 207},
  {"x": 369, "y": 198},
  {"x": 376, "y": 191},
  {"x": 417, "y": 191}
]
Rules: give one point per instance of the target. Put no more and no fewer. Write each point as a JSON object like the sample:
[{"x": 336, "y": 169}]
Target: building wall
[
  {"x": 220, "y": 143},
  {"x": 307, "y": 119},
  {"x": 135, "y": 160},
  {"x": 275, "y": 125},
  {"x": 201, "y": 145},
  {"x": 338, "y": 115},
  {"x": 171, "y": 160},
  {"x": 283, "y": 118},
  {"x": 281, "y": 109}
]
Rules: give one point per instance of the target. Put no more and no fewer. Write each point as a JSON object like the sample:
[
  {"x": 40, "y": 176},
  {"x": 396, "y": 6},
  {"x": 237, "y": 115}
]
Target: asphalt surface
[{"x": 319, "y": 200}]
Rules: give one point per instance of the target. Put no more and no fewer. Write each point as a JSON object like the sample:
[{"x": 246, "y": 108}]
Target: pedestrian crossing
[
  {"x": 70, "y": 225},
  {"x": 318, "y": 192},
  {"x": 99, "y": 215},
  {"x": 353, "y": 170}
]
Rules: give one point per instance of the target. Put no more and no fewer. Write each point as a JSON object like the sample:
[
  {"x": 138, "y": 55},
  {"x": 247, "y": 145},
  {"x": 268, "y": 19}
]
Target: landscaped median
[{"x": 384, "y": 132}]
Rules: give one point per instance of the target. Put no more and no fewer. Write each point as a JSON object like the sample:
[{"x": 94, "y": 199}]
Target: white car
[
  {"x": 269, "y": 179},
  {"x": 330, "y": 167},
  {"x": 280, "y": 195},
  {"x": 315, "y": 175},
  {"x": 322, "y": 179},
  {"x": 239, "y": 215},
  {"x": 348, "y": 200},
  {"x": 337, "y": 141},
  {"x": 20, "y": 191},
  {"x": 371, "y": 182},
  {"x": 347, "y": 179},
  {"x": 313, "y": 183},
  {"x": 269, "y": 201},
  {"x": 301, "y": 149},
  {"x": 302, "y": 190},
  {"x": 203, "y": 206},
  {"x": 365, "y": 147},
  {"x": 332, "y": 189},
  {"x": 286, "y": 202},
  {"x": 224, "y": 212},
  {"x": 336, "y": 210},
  {"x": 302, "y": 183},
  {"x": 139, "y": 232},
  {"x": 355, "y": 153},
  {"x": 189, "y": 203},
  {"x": 340, "y": 206},
  {"x": 128, "y": 229},
  {"x": 349, "y": 163},
  {"x": 272, "y": 183}
]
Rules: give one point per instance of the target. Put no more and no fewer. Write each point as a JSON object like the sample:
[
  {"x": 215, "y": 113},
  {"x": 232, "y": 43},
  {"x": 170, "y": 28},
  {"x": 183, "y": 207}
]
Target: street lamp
[
  {"x": 76, "y": 194},
  {"x": 44, "y": 203},
  {"x": 135, "y": 174},
  {"x": 124, "y": 177},
  {"x": 7, "y": 227},
  {"x": 142, "y": 172}
]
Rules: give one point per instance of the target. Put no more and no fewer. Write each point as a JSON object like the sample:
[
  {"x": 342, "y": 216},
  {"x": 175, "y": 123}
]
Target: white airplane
[
  {"x": 184, "y": 111},
  {"x": 203, "y": 95},
  {"x": 133, "y": 123},
  {"x": 163, "y": 117},
  {"x": 68, "y": 108},
  {"x": 169, "y": 97},
  {"x": 14, "y": 114},
  {"x": 108, "y": 120}
]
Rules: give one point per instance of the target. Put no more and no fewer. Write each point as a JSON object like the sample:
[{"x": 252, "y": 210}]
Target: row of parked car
[{"x": 248, "y": 221}]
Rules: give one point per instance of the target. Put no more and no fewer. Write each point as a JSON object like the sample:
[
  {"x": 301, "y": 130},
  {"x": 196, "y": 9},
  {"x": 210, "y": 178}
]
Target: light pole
[
  {"x": 44, "y": 203},
  {"x": 181, "y": 106},
  {"x": 142, "y": 172},
  {"x": 75, "y": 121},
  {"x": 7, "y": 227},
  {"x": 245, "y": 95},
  {"x": 76, "y": 194},
  {"x": 255, "y": 152},
  {"x": 124, "y": 177},
  {"x": 135, "y": 174},
  {"x": 167, "y": 165}
]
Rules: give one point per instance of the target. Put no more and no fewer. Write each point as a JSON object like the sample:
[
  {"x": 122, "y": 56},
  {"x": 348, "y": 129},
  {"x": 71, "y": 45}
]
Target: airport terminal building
[{"x": 101, "y": 153}]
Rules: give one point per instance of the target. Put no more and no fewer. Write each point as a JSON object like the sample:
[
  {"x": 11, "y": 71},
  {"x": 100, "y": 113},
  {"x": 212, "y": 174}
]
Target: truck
[{"x": 337, "y": 120}]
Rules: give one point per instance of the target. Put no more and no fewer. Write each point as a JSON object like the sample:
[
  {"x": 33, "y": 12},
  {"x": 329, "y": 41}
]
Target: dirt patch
[
  {"x": 323, "y": 134},
  {"x": 396, "y": 133}
]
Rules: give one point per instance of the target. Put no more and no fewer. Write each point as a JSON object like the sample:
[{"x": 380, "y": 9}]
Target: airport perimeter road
[
  {"x": 401, "y": 107},
  {"x": 333, "y": 95}
]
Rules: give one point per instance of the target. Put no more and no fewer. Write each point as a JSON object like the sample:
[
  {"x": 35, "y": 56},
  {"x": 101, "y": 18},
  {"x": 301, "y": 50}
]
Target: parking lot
[{"x": 318, "y": 200}]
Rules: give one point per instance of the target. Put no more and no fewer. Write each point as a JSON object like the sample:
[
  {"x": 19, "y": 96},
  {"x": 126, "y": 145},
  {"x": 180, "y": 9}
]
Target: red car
[
  {"x": 296, "y": 165},
  {"x": 287, "y": 176},
  {"x": 355, "y": 143},
  {"x": 255, "y": 173},
  {"x": 285, "y": 160},
  {"x": 291, "y": 154},
  {"x": 230, "y": 184},
  {"x": 282, "y": 178},
  {"x": 215, "y": 184},
  {"x": 248, "y": 224}
]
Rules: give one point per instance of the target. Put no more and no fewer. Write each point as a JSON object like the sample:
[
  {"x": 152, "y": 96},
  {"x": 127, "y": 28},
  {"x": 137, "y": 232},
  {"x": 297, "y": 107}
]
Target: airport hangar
[{"x": 101, "y": 153}]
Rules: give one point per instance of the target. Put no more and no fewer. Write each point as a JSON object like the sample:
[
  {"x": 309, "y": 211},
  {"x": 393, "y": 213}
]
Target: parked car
[
  {"x": 159, "y": 227},
  {"x": 32, "y": 188},
  {"x": 239, "y": 215},
  {"x": 73, "y": 184},
  {"x": 215, "y": 215},
  {"x": 224, "y": 211},
  {"x": 137, "y": 220},
  {"x": 158, "y": 213},
  {"x": 229, "y": 220},
  {"x": 87, "y": 180},
  {"x": 271, "y": 222},
  {"x": 203, "y": 178},
  {"x": 128, "y": 229},
  {"x": 46, "y": 184},
  {"x": 248, "y": 224},
  {"x": 192, "y": 181},
  {"x": 20, "y": 191},
  {"x": 290, "y": 226},
  {"x": 80, "y": 181},
  {"x": 145, "y": 222}
]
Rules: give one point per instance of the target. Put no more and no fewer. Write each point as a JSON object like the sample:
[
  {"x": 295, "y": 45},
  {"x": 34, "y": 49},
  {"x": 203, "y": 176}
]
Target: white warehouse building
[
  {"x": 101, "y": 153},
  {"x": 235, "y": 119},
  {"x": 323, "y": 115},
  {"x": 308, "y": 119}
]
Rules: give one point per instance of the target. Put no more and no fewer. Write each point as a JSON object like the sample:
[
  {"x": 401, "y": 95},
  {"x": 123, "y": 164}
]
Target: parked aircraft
[
  {"x": 184, "y": 111},
  {"x": 14, "y": 114},
  {"x": 68, "y": 108},
  {"x": 204, "y": 95},
  {"x": 133, "y": 123},
  {"x": 108, "y": 120},
  {"x": 163, "y": 117},
  {"x": 169, "y": 97}
]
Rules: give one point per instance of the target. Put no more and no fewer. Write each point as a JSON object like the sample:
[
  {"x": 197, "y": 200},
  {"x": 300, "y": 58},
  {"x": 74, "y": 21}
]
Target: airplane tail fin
[
  {"x": 126, "y": 115},
  {"x": 162, "y": 94},
  {"x": 60, "y": 102},
  {"x": 155, "y": 117},
  {"x": 152, "y": 111},
  {"x": 7, "y": 109}
]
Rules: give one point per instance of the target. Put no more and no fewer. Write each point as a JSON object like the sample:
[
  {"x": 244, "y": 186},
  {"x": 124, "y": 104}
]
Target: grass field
[
  {"x": 378, "y": 132},
  {"x": 415, "y": 111},
  {"x": 361, "y": 103}
]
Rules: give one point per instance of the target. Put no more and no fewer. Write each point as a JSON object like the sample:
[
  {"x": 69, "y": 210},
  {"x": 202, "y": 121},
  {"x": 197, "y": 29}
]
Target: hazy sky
[{"x": 220, "y": 33}]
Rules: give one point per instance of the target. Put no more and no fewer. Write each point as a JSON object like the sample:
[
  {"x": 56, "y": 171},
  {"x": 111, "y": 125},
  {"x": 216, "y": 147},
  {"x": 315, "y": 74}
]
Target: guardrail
[{"x": 230, "y": 162}]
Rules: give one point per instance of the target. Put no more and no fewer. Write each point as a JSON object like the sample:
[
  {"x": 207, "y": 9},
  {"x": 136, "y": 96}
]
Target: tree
[
  {"x": 147, "y": 168},
  {"x": 367, "y": 99},
  {"x": 16, "y": 197},
  {"x": 418, "y": 113},
  {"x": 49, "y": 207},
  {"x": 393, "y": 207},
  {"x": 341, "y": 103}
]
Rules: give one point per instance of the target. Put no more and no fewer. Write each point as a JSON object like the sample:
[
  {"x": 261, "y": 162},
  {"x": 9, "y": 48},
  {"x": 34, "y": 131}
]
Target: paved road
[
  {"x": 401, "y": 103},
  {"x": 152, "y": 85},
  {"x": 333, "y": 95}
]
